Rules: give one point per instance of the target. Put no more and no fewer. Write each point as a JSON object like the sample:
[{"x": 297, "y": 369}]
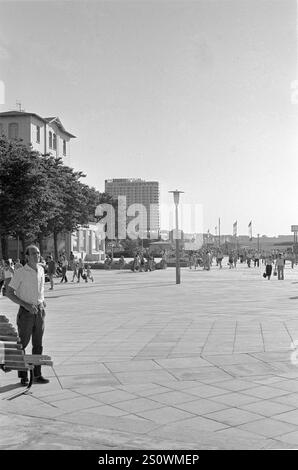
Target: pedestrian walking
[
  {"x": 71, "y": 259},
  {"x": 165, "y": 260},
  {"x": 219, "y": 259},
  {"x": 196, "y": 260},
  {"x": 292, "y": 259},
  {"x": 268, "y": 268},
  {"x": 280, "y": 266},
  {"x": 207, "y": 263},
  {"x": 230, "y": 262},
  {"x": 80, "y": 269},
  {"x": 2, "y": 264},
  {"x": 75, "y": 267},
  {"x": 51, "y": 270},
  {"x": 136, "y": 263},
  {"x": 64, "y": 268},
  {"x": 190, "y": 260},
  {"x": 27, "y": 290}
]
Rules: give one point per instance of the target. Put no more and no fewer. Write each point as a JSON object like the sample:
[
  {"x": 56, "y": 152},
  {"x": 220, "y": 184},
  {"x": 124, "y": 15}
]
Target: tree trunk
[
  {"x": 40, "y": 242},
  {"x": 23, "y": 241},
  {"x": 55, "y": 236},
  {"x": 4, "y": 246}
]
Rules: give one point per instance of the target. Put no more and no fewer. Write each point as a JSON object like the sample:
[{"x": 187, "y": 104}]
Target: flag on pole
[
  {"x": 235, "y": 229},
  {"x": 250, "y": 230}
]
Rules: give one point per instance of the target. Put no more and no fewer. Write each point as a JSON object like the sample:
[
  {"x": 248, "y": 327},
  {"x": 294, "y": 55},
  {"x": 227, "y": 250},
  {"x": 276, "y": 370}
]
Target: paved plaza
[{"x": 142, "y": 363}]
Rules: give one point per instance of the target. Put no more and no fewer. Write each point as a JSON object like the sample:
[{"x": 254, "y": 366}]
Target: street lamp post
[
  {"x": 18, "y": 247},
  {"x": 176, "y": 195}
]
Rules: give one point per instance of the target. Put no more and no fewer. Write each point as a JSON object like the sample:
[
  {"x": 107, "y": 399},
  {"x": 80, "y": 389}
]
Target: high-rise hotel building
[{"x": 138, "y": 191}]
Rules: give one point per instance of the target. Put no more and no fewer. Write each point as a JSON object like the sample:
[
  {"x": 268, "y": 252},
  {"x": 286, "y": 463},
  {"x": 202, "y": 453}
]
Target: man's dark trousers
[{"x": 30, "y": 324}]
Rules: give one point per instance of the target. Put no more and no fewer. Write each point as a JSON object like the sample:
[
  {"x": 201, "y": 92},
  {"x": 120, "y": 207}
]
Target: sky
[{"x": 198, "y": 95}]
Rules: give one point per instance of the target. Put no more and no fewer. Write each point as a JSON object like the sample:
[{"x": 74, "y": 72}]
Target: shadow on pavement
[{"x": 7, "y": 388}]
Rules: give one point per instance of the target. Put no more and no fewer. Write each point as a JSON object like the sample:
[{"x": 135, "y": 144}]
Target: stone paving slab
[{"x": 143, "y": 363}]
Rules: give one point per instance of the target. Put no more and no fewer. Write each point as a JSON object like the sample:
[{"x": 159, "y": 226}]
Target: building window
[
  {"x": 64, "y": 147},
  {"x": 54, "y": 142},
  {"x": 13, "y": 130},
  {"x": 50, "y": 140},
  {"x": 38, "y": 134}
]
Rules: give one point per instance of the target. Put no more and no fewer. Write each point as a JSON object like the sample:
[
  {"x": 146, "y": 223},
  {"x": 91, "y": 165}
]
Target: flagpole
[
  {"x": 235, "y": 234},
  {"x": 250, "y": 228}
]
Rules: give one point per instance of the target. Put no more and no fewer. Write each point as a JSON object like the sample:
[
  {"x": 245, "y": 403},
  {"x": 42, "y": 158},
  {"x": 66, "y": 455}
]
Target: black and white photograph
[{"x": 148, "y": 229}]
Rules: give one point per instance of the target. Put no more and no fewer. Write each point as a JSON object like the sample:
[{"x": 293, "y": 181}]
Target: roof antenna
[{"x": 19, "y": 106}]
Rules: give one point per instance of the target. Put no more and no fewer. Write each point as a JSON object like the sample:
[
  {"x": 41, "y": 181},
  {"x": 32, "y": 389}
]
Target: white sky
[{"x": 195, "y": 95}]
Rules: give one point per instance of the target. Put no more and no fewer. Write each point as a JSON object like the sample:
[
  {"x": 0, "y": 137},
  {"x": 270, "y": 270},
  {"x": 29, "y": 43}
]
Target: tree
[
  {"x": 40, "y": 196},
  {"x": 22, "y": 191}
]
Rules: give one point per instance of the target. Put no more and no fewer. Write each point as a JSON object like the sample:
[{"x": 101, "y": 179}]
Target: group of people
[
  {"x": 79, "y": 269},
  {"x": 7, "y": 269},
  {"x": 52, "y": 270},
  {"x": 273, "y": 261},
  {"x": 200, "y": 258},
  {"x": 143, "y": 261}
]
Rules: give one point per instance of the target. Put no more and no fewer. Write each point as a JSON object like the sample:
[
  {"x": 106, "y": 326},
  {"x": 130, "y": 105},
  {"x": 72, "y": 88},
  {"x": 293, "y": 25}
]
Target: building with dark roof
[{"x": 45, "y": 135}]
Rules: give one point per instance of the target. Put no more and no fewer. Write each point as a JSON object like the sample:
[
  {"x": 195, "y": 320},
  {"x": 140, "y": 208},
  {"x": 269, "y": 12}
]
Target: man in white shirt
[
  {"x": 27, "y": 290},
  {"x": 1, "y": 274},
  {"x": 280, "y": 266}
]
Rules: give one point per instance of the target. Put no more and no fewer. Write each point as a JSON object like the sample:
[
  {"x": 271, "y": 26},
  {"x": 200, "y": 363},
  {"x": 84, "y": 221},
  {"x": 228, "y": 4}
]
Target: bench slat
[
  {"x": 41, "y": 363},
  {"x": 15, "y": 358},
  {"x": 37, "y": 356},
  {"x": 12, "y": 345},
  {"x": 8, "y": 333},
  {"x": 38, "y": 359},
  {"x": 18, "y": 365},
  {"x": 12, "y": 352},
  {"x": 8, "y": 338}
]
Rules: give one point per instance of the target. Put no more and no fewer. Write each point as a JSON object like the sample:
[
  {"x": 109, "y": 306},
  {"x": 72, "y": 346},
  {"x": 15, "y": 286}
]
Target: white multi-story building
[
  {"x": 45, "y": 135},
  {"x": 138, "y": 191}
]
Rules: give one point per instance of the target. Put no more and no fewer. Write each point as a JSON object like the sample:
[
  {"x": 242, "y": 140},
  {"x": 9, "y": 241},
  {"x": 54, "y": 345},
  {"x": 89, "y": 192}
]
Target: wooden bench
[{"x": 12, "y": 356}]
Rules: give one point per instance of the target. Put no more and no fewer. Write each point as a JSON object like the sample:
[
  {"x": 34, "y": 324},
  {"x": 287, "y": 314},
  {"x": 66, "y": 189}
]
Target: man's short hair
[{"x": 27, "y": 252}]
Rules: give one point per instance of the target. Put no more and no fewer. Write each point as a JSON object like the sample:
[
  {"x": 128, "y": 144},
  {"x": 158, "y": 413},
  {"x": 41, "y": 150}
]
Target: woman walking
[
  {"x": 74, "y": 270},
  {"x": 80, "y": 269},
  {"x": 51, "y": 270},
  {"x": 268, "y": 268},
  {"x": 64, "y": 269},
  {"x": 231, "y": 261}
]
